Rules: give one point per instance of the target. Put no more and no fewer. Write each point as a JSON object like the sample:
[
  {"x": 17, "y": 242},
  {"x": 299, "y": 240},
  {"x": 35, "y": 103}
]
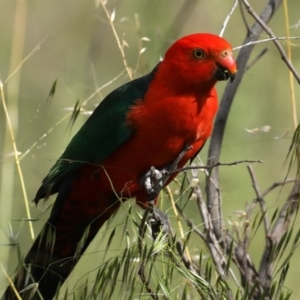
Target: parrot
[{"x": 145, "y": 123}]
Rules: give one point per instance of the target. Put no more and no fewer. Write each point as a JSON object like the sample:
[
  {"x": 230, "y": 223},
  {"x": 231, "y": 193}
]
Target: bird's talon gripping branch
[
  {"x": 153, "y": 181},
  {"x": 159, "y": 222}
]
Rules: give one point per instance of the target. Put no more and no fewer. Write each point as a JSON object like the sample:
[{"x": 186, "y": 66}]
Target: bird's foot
[
  {"x": 153, "y": 181},
  {"x": 159, "y": 222}
]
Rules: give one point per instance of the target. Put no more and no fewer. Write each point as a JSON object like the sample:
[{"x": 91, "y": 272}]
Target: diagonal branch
[
  {"x": 246, "y": 267},
  {"x": 272, "y": 35},
  {"x": 213, "y": 200},
  {"x": 259, "y": 199},
  {"x": 279, "y": 229}
]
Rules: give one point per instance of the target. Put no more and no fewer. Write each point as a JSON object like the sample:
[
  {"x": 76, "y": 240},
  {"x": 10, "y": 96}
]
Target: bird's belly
[
  {"x": 125, "y": 168},
  {"x": 159, "y": 139}
]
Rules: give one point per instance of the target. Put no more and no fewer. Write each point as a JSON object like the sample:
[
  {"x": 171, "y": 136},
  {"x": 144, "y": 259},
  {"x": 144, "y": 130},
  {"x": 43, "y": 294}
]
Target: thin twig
[
  {"x": 143, "y": 225},
  {"x": 85, "y": 101},
  {"x": 110, "y": 18},
  {"x": 36, "y": 48},
  {"x": 272, "y": 35},
  {"x": 190, "y": 223},
  {"x": 215, "y": 251},
  {"x": 141, "y": 235},
  {"x": 11, "y": 283},
  {"x": 185, "y": 259},
  {"x": 275, "y": 185},
  {"x": 249, "y": 275},
  {"x": 161, "y": 182},
  {"x": 235, "y": 4},
  {"x": 174, "y": 207},
  {"x": 259, "y": 199},
  {"x": 248, "y": 29},
  {"x": 187, "y": 263},
  {"x": 17, "y": 160},
  {"x": 289, "y": 54},
  {"x": 234, "y": 163},
  {"x": 210, "y": 238},
  {"x": 173, "y": 169},
  {"x": 275, "y": 38},
  {"x": 290, "y": 207},
  {"x": 222, "y": 116},
  {"x": 279, "y": 229}
]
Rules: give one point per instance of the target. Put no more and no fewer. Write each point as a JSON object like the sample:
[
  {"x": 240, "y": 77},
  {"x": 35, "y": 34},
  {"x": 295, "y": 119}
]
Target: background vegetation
[{"x": 72, "y": 43}]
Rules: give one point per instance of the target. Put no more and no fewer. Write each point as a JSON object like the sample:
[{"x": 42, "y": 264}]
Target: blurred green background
[{"x": 71, "y": 41}]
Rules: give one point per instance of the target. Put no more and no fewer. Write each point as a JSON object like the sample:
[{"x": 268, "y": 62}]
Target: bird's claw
[
  {"x": 153, "y": 181},
  {"x": 159, "y": 222}
]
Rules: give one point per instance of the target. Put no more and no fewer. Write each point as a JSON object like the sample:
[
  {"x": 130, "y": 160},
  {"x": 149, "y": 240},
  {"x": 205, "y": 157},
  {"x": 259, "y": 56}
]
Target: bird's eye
[{"x": 198, "y": 53}]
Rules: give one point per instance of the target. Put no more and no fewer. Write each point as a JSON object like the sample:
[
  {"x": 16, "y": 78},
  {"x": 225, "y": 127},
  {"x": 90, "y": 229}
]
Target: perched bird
[{"x": 142, "y": 124}]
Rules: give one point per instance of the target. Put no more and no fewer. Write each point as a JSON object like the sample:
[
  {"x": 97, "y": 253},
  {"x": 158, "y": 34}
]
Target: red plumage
[{"x": 176, "y": 109}]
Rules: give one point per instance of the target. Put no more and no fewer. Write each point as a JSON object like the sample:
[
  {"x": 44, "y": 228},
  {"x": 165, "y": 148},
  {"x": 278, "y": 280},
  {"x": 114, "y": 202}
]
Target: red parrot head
[{"x": 200, "y": 60}]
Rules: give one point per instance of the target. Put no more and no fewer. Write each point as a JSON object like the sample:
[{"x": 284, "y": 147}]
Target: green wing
[{"x": 102, "y": 134}]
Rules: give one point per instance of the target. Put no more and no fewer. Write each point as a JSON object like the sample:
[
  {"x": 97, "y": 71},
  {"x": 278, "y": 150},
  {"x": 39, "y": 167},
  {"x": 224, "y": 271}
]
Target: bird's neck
[{"x": 174, "y": 84}]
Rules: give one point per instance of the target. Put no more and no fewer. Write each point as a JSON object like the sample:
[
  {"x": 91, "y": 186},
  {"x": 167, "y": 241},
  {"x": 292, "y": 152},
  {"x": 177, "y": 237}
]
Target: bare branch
[
  {"x": 249, "y": 275},
  {"x": 235, "y": 4},
  {"x": 11, "y": 283},
  {"x": 272, "y": 35},
  {"x": 275, "y": 38},
  {"x": 142, "y": 230},
  {"x": 279, "y": 229},
  {"x": 188, "y": 264},
  {"x": 275, "y": 185},
  {"x": 259, "y": 199},
  {"x": 213, "y": 200},
  {"x": 110, "y": 17},
  {"x": 173, "y": 168},
  {"x": 218, "y": 246},
  {"x": 286, "y": 213},
  {"x": 207, "y": 236},
  {"x": 244, "y": 18},
  {"x": 234, "y": 163}
]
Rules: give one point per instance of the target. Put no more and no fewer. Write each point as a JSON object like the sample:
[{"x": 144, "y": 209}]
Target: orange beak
[{"x": 226, "y": 66}]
